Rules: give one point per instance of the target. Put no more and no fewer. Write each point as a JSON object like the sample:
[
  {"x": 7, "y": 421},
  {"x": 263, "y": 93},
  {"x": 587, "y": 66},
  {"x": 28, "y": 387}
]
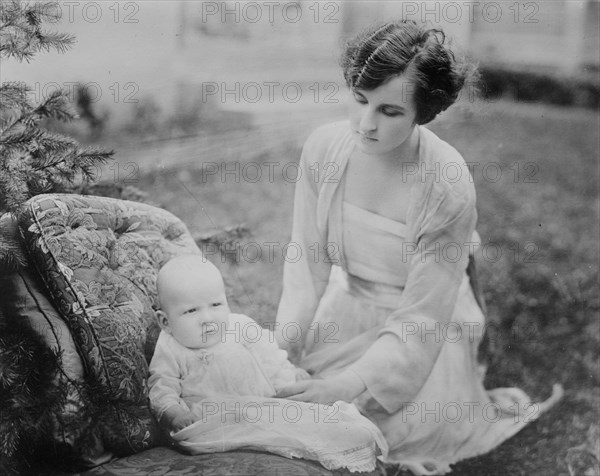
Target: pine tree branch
[
  {"x": 21, "y": 139},
  {"x": 49, "y": 142},
  {"x": 33, "y": 160},
  {"x": 60, "y": 42},
  {"x": 41, "y": 12},
  {"x": 13, "y": 95},
  {"x": 56, "y": 105},
  {"x": 75, "y": 160},
  {"x": 13, "y": 174},
  {"x": 53, "y": 160},
  {"x": 11, "y": 254},
  {"x": 16, "y": 124},
  {"x": 93, "y": 155},
  {"x": 89, "y": 159},
  {"x": 21, "y": 35}
]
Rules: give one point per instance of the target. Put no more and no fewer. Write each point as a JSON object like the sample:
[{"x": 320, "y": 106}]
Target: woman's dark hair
[{"x": 381, "y": 53}]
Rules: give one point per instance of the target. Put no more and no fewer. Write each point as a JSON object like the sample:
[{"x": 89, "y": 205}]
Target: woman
[{"x": 378, "y": 303}]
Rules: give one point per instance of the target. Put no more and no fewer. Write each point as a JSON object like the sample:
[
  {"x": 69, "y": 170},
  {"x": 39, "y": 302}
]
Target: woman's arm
[
  {"x": 408, "y": 345},
  {"x": 306, "y": 271}
]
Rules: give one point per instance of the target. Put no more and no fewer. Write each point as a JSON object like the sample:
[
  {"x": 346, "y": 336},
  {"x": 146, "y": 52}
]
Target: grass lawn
[{"x": 536, "y": 173}]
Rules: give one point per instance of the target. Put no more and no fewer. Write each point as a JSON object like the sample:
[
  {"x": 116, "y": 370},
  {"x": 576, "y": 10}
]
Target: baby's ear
[{"x": 163, "y": 320}]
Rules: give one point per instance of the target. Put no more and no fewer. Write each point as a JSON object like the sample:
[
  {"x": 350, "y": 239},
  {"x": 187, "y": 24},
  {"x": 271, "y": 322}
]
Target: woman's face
[{"x": 384, "y": 118}]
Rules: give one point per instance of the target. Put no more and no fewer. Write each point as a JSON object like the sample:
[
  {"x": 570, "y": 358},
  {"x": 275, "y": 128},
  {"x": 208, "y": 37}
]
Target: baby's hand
[
  {"x": 176, "y": 418},
  {"x": 302, "y": 374},
  {"x": 182, "y": 420}
]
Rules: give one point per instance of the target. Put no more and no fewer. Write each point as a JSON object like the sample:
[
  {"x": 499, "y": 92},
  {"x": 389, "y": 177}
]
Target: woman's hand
[{"x": 345, "y": 386}]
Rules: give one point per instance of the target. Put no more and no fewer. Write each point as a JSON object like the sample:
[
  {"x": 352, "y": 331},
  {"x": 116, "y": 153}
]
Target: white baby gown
[{"x": 231, "y": 389}]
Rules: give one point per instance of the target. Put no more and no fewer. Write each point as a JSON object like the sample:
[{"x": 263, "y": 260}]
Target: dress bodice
[{"x": 373, "y": 247}]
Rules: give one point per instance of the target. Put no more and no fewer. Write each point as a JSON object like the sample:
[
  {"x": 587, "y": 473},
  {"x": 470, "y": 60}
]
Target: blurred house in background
[
  {"x": 557, "y": 34},
  {"x": 253, "y": 55},
  {"x": 561, "y": 34}
]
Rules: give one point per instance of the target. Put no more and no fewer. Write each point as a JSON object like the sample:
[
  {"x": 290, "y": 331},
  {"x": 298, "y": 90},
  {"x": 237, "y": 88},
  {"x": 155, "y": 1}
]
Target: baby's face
[{"x": 196, "y": 311}]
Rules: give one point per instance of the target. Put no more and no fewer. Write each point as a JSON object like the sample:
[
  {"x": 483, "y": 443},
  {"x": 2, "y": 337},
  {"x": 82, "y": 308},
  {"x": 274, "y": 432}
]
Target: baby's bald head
[{"x": 186, "y": 274}]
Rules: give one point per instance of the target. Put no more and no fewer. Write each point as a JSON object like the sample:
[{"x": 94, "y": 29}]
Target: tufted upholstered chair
[{"x": 77, "y": 331}]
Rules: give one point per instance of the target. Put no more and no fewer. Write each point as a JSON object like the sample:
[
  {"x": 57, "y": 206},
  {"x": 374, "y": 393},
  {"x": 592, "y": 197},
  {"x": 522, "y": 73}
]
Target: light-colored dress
[
  {"x": 230, "y": 388},
  {"x": 392, "y": 302}
]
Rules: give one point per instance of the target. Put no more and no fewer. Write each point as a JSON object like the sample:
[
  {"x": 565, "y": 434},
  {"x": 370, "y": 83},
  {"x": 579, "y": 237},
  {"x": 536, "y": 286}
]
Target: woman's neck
[{"x": 405, "y": 153}]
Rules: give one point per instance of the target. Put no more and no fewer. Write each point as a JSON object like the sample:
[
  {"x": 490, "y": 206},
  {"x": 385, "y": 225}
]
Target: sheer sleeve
[
  {"x": 306, "y": 272},
  {"x": 409, "y": 343},
  {"x": 165, "y": 379}
]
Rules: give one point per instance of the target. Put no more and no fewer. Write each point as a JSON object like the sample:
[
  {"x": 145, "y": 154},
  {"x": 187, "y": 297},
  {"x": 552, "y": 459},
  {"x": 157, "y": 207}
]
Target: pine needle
[{"x": 21, "y": 34}]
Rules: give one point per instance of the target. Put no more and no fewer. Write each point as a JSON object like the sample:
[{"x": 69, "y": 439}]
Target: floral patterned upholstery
[
  {"x": 99, "y": 258},
  {"x": 167, "y": 462}
]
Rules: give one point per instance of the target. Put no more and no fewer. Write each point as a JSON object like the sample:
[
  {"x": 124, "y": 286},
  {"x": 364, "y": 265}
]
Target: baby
[
  {"x": 210, "y": 363},
  {"x": 206, "y": 351}
]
